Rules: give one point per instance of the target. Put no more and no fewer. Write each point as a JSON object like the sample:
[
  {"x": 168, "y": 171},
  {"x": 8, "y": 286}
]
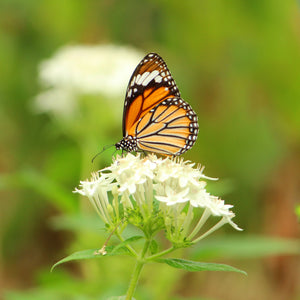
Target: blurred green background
[{"x": 236, "y": 62}]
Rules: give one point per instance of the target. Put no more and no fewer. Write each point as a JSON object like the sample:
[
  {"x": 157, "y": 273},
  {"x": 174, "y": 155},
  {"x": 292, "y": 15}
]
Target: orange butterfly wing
[
  {"x": 155, "y": 118},
  {"x": 149, "y": 85},
  {"x": 170, "y": 128}
]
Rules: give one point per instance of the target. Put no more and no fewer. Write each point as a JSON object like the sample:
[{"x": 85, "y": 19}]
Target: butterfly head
[{"x": 127, "y": 143}]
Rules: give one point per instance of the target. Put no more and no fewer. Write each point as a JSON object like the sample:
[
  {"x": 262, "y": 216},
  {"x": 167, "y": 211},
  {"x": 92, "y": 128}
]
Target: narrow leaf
[
  {"x": 126, "y": 242},
  {"x": 92, "y": 253},
  {"x": 195, "y": 266}
]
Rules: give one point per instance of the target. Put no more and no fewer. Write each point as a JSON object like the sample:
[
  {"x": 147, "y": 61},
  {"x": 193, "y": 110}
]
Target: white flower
[
  {"x": 79, "y": 70},
  {"x": 198, "y": 195},
  {"x": 58, "y": 101},
  {"x": 90, "y": 187},
  {"x": 182, "y": 170},
  {"x": 219, "y": 208},
  {"x": 96, "y": 190},
  {"x": 175, "y": 184},
  {"x": 172, "y": 196},
  {"x": 90, "y": 69},
  {"x": 168, "y": 169},
  {"x": 130, "y": 171}
]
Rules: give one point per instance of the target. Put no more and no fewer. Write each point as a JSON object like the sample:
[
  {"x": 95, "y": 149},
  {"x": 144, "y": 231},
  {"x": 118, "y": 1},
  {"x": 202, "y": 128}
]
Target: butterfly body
[
  {"x": 155, "y": 118},
  {"x": 128, "y": 143}
]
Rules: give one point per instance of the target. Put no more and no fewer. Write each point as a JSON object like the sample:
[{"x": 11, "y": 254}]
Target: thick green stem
[
  {"x": 134, "y": 279},
  {"x": 136, "y": 272}
]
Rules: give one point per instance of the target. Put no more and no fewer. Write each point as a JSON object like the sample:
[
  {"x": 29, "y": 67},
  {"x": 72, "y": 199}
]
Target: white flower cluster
[
  {"x": 84, "y": 69},
  {"x": 174, "y": 183},
  {"x": 90, "y": 69}
]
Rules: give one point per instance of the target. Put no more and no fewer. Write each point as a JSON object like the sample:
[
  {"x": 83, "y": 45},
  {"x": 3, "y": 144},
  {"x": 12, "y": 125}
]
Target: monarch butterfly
[{"x": 155, "y": 118}]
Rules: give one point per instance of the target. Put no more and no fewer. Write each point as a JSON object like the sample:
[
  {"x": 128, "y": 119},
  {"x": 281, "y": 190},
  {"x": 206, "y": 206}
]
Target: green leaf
[
  {"x": 92, "y": 253},
  {"x": 126, "y": 242},
  {"x": 195, "y": 266}
]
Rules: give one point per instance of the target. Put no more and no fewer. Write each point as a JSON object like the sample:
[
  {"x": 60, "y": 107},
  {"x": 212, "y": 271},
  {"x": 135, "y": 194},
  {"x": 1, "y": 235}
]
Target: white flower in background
[
  {"x": 58, "y": 101},
  {"x": 93, "y": 69},
  {"x": 174, "y": 184},
  {"x": 79, "y": 70}
]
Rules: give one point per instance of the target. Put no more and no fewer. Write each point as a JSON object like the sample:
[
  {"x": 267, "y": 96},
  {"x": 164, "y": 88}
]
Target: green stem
[
  {"x": 132, "y": 251},
  {"x": 134, "y": 279},
  {"x": 157, "y": 255},
  {"x": 136, "y": 272}
]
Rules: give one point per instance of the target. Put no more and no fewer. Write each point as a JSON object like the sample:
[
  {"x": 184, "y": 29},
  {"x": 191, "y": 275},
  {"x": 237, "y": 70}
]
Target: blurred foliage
[{"x": 236, "y": 62}]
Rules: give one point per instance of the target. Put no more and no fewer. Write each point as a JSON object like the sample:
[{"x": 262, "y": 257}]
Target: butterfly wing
[
  {"x": 150, "y": 84},
  {"x": 169, "y": 128}
]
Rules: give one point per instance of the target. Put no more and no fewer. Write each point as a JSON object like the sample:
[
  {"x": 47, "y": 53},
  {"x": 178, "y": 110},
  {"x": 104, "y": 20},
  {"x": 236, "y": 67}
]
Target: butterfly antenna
[
  {"x": 104, "y": 148},
  {"x": 114, "y": 152}
]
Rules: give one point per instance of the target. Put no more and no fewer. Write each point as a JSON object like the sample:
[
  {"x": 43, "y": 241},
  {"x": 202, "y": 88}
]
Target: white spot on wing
[
  {"x": 140, "y": 78},
  {"x": 158, "y": 79},
  {"x": 137, "y": 78},
  {"x": 152, "y": 75},
  {"x": 133, "y": 81}
]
